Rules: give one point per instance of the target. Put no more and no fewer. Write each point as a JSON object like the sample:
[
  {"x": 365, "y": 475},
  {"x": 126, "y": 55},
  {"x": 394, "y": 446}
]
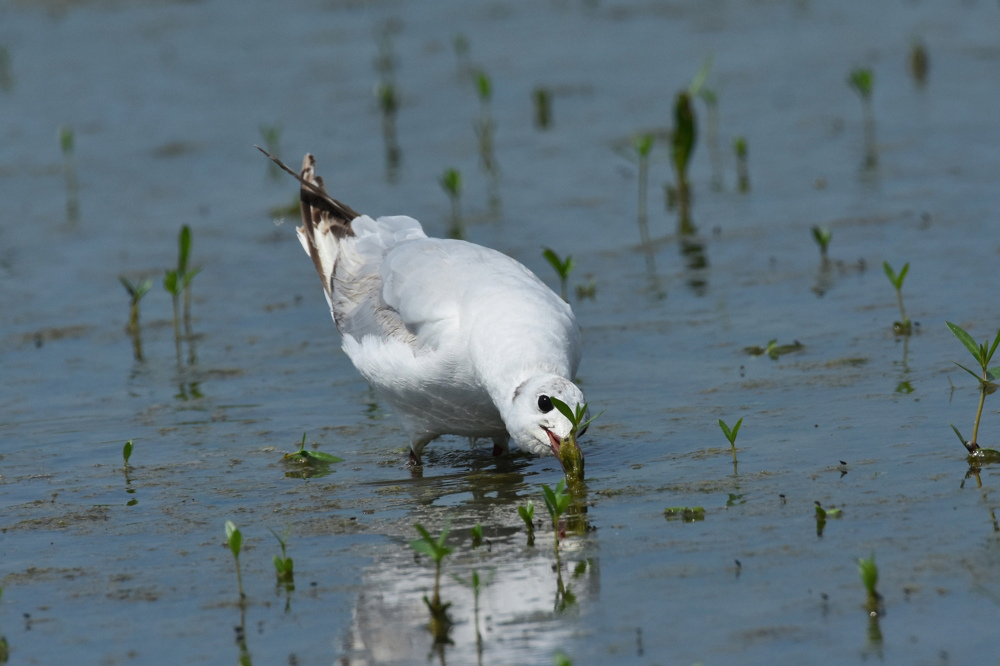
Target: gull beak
[{"x": 554, "y": 441}]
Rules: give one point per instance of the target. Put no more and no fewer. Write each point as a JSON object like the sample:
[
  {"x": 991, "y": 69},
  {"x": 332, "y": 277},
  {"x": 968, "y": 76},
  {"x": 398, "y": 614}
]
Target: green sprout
[
  {"x": 283, "y": 566},
  {"x": 451, "y": 183},
  {"x": 740, "y": 149},
  {"x": 272, "y": 139},
  {"x": 126, "y": 454},
  {"x": 683, "y": 142},
  {"x": 437, "y": 551},
  {"x": 311, "y": 456},
  {"x": 67, "y": 144},
  {"x": 476, "y": 584},
  {"x": 460, "y": 43},
  {"x": 135, "y": 291},
  {"x": 477, "y": 535},
  {"x": 235, "y": 540},
  {"x": 822, "y": 237},
  {"x": 388, "y": 103},
  {"x": 903, "y": 326},
  {"x": 773, "y": 349},
  {"x": 699, "y": 90},
  {"x": 309, "y": 464},
  {"x": 557, "y": 502},
  {"x": 570, "y": 455},
  {"x": 543, "y": 107},
  {"x": 862, "y": 81},
  {"x": 561, "y": 266},
  {"x": 731, "y": 434},
  {"x": 869, "y": 577},
  {"x": 821, "y": 516},
  {"x": 919, "y": 62},
  {"x": 642, "y": 144},
  {"x": 184, "y": 275},
  {"x": 484, "y": 87},
  {"x": 983, "y": 354},
  {"x": 527, "y": 513},
  {"x": 172, "y": 286},
  {"x": 560, "y": 658}
]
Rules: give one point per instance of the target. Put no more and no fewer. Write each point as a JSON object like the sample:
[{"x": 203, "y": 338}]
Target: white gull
[{"x": 459, "y": 339}]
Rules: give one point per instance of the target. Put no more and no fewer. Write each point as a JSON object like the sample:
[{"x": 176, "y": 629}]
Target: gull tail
[{"x": 325, "y": 221}]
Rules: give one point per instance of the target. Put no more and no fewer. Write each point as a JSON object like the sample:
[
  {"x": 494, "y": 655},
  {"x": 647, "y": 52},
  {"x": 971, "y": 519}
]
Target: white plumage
[{"x": 459, "y": 339}]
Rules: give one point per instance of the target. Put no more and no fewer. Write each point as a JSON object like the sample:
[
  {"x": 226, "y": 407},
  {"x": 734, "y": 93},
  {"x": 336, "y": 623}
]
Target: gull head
[{"x": 532, "y": 420}]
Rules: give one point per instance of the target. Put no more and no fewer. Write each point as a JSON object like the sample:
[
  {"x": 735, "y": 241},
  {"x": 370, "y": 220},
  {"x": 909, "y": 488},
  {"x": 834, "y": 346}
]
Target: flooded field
[{"x": 122, "y": 122}]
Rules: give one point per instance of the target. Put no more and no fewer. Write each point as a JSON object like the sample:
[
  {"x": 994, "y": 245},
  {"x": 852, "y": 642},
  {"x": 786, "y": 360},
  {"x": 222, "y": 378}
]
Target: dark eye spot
[{"x": 544, "y": 404}]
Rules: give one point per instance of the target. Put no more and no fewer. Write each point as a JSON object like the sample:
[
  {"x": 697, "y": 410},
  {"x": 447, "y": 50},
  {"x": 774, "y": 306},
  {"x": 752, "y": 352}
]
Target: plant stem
[
  {"x": 177, "y": 327},
  {"x": 979, "y": 413}
]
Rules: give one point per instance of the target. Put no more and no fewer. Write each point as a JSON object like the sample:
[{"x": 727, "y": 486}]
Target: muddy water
[{"x": 165, "y": 101}]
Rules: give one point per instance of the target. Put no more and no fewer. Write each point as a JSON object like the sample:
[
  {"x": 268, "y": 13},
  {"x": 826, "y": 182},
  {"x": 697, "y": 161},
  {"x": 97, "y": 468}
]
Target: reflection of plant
[
  {"x": 527, "y": 513},
  {"x": 903, "y": 326},
  {"x": 561, "y": 266},
  {"x": 437, "y": 551},
  {"x": 983, "y": 354},
  {"x": 557, "y": 502},
  {"x": 475, "y": 583}
]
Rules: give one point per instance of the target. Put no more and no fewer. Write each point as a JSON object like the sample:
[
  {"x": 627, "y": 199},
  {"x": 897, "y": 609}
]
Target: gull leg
[{"x": 501, "y": 446}]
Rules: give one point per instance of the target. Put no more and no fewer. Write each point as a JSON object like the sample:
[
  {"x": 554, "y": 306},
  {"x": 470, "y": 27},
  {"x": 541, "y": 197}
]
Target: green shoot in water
[
  {"x": 311, "y": 456},
  {"x": 642, "y": 144},
  {"x": 67, "y": 144},
  {"x": 485, "y": 129},
  {"x": 561, "y": 266},
  {"x": 570, "y": 455},
  {"x": 235, "y": 540},
  {"x": 126, "y": 454},
  {"x": 476, "y": 584},
  {"x": 919, "y": 63},
  {"x": 527, "y": 513},
  {"x": 822, "y": 237},
  {"x": 821, "y": 516},
  {"x": 451, "y": 183},
  {"x": 743, "y": 173},
  {"x": 687, "y": 514},
  {"x": 869, "y": 577},
  {"x": 983, "y": 353},
  {"x": 731, "y": 434},
  {"x": 543, "y": 107},
  {"x": 283, "y": 566},
  {"x": 903, "y": 326},
  {"x": 477, "y": 535},
  {"x": 862, "y": 81},
  {"x": 560, "y": 658},
  {"x": 135, "y": 291},
  {"x": 683, "y": 143},
  {"x": 557, "y": 502},
  {"x": 186, "y": 275},
  {"x": 773, "y": 349},
  {"x": 437, "y": 551}
]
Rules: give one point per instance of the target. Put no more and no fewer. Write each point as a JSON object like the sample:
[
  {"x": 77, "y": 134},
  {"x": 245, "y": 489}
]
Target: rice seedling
[
  {"x": 451, "y": 183},
  {"x": 557, "y": 502},
  {"x": 436, "y": 550},
  {"x": 284, "y": 569},
  {"x": 562, "y": 268},
  {"x": 822, "y": 237},
  {"x": 903, "y": 326},
  {"x": 869, "y": 578},
  {"x": 67, "y": 144},
  {"x": 527, "y": 513},
  {"x": 683, "y": 140},
  {"x": 862, "y": 81},
  {"x": 919, "y": 62},
  {"x": 542, "y": 98},
  {"x": 135, "y": 291},
  {"x": 983, "y": 353},
  {"x": 743, "y": 173},
  {"x": 570, "y": 455},
  {"x": 731, "y": 434},
  {"x": 234, "y": 538},
  {"x": 477, "y": 535},
  {"x": 272, "y": 139},
  {"x": 126, "y": 454}
]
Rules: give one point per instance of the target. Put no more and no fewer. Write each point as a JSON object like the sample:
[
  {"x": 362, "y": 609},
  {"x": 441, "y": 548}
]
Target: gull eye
[{"x": 544, "y": 404}]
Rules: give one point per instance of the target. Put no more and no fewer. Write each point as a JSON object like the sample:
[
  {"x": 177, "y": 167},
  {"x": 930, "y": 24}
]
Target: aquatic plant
[
  {"x": 869, "y": 578},
  {"x": 135, "y": 291},
  {"x": 436, "y": 550},
  {"x": 485, "y": 129},
  {"x": 862, "y": 81},
  {"x": 171, "y": 284},
  {"x": 451, "y": 183},
  {"x": 731, "y": 434},
  {"x": 773, "y": 349},
  {"x": 476, "y": 584},
  {"x": 560, "y": 658},
  {"x": 687, "y": 514},
  {"x": 683, "y": 140},
  {"x": 186, "y": 275},
  {"x": 983, "y": 354},
  {"x": 527, "y": 513},
  {"x": 284, "y": 569},
  {"x": 311, "y": 456},
  {"x": 67, "y": 144},
  {"x": 477, "y": 535},
  {"x": 542, "y": 97},
  {"x": 235, "y": 540},
  {"x": 561, "y": 266},
  {"x": 388, "y": 103},
  {"x": 903, "y": 326},
  {"x": 822, "y": 237},
  {"x": 699, "y": 90},
  {"x": 919, "y": 62},
  {"x": 743, "y": 173},
  {"x": 272, "y": 139},
  {"x": 642, "y": 144},
  {"x": 557, "y": 502},
  {"x": 570, "y": 455},
  {"x": 821, "y": 516},
  {"x": 126, "y": 454}
]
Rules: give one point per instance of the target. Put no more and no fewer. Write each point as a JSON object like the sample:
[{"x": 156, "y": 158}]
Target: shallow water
[{"x": 166, "y": 101}]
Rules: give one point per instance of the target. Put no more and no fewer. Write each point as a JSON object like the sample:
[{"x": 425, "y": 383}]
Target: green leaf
[
  {"x": 965, "y": 339},
  {"x": 958, "y": 434},
  {"x": 127, "y": 451},
  {"x": 170, "y": 282},
  {"x": 527, "y": 513},
  {"x": 564, "y": 410},
  {"x": 992, "y": 349},
  {"x": 643, "y": 144},
  {"x": 320, "y": 456},
  {"x": 484, "y": 86},
  {"x": 187, "y": 276},
  {"x": 585, "y": 424},
  {"x": 976, "y": 375},
  {"x": 185, "y": 249},
  {"x": 423, "y": 548},
  {"x": 234, "y": 537},
  {"x": 698, "y": 82}
]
